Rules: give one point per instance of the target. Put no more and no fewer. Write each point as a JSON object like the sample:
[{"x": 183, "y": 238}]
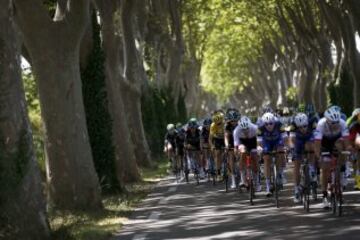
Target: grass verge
[{"x": 100, "y": 225}]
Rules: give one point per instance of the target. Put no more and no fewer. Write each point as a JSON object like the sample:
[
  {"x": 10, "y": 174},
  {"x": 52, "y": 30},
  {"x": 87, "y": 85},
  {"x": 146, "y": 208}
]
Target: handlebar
[{"x": 329, "y": 153}]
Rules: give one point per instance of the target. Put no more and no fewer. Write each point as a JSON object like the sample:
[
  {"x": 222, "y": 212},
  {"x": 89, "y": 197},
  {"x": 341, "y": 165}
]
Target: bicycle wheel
[
  {"x": 251, "y": 189},
  {"x": 306, "y": 200},
  {"x": 339, "y": 201},
  {"x": 333, "y": 203},
  {"x": 314, "y": 191},
  {"x": 226, "y": 178},
  {"x": 276, "y": 187}
]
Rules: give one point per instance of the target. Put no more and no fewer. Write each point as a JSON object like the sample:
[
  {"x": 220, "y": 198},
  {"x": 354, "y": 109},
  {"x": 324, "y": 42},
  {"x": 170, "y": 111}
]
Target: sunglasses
[
  {"x": 333, "y": 123},
  {"x": 303, "y": 127},
  {"x": 269, "y": 124}
]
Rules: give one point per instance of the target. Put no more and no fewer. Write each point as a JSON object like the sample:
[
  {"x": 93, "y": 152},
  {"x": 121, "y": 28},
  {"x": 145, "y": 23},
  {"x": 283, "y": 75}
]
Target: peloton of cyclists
[{"x": 238, "y": 136}]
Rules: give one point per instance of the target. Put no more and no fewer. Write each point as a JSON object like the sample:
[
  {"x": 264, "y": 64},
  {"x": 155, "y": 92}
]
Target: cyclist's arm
[
  {"x": 226, "y": 138},
  {"x": 236, "y": 135},
  {"x": 318, "y": 135}
]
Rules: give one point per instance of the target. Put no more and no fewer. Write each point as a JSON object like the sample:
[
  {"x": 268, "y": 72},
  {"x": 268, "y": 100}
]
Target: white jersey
[
  {"x": 240, "y": 133},
  {"x": 325, "y": 130}
]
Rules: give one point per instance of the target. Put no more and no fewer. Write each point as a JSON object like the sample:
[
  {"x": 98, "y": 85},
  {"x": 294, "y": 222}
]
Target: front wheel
[
  {"x": 339, "y": 205},
  {"x": 306, "y": 200}
]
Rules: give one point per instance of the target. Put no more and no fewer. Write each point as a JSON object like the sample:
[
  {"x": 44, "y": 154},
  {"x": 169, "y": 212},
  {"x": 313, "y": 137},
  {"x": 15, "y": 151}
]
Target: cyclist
[
  {"x": 170, "y": 144},
  {"x": 271, "y": 138},
  {"x": 354, "y": 138},
  {"x": 192, "y": 144},
  {"x": 301, "y": 137},
  {"x": 204, "y": 143},
  {"x": 245, "y": 135},
  {"x": 216, "y": 138},
  {"x": 232, "y": 117},
  {"x": 331, "y": 132},
  {"x": 179, "y": 140}
]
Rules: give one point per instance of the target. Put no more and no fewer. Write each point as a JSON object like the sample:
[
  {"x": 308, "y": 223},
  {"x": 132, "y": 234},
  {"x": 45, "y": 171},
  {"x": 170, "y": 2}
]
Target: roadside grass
[{"x": 101, "y": 224}]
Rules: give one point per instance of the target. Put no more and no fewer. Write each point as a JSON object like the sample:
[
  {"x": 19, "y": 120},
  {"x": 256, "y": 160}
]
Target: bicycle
[
  {"x": 250, "y": 177},
  {"x": 195, "y": 165},
  {"x": 307, "y": 185},
  {"x": 225, "y": 166},
  {"x": 211, "y": 166},
  {"x": 335, "y": 189},
  {"x": 275, "y": 179}
]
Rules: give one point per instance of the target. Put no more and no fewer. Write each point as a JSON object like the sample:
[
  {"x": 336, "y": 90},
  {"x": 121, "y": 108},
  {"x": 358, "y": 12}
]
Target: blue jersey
[
  {"x": 277, "y": 134},
  {"x": 299, "y": 135}
]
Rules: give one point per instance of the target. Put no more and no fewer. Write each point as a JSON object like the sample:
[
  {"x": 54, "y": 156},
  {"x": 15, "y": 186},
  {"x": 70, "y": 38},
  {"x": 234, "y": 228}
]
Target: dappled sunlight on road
[{"x": 187, "y": 211}]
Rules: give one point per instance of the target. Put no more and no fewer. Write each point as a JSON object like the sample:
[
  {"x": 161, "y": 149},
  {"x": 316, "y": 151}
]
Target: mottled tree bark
[
  {"x": 22, "y": 203},
  {"x": 127, "y": 169},
  {"x": 54, "y": 48}
]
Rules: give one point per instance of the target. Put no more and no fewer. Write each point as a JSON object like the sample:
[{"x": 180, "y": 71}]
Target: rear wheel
[
  {"x": 276, "y": 187},
  {"x": 333, "y": 203},
  {"x": 251, "y": 190},
  {"x": 339, "y": 204},
  {"x": 306, "y": 200}
]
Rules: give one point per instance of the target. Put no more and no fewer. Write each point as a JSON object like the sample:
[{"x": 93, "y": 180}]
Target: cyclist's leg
[
  {"x": 281, "y": 161},
  {"x": 327, "y": 145},
  {"x": 310, "y": 148},
  {"x": 242, "y": 165},
  {"x": 255, "y": 168},
  {"x": 340, "y": 146},
  {"x": 267, "y": 147},
  {"x": 231, "y": 161},
  {"x": 299, "y": 147}
]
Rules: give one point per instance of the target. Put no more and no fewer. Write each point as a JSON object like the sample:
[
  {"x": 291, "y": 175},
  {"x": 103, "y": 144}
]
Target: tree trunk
[
  {"x": 54, "y": 49},
  {"x": 127, "y": 169},
  {"x": 131, "y": 87},
  {"x": 22, "y": 203}
]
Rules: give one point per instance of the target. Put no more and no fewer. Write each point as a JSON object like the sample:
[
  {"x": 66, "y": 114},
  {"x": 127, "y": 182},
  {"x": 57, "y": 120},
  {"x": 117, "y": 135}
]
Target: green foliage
[
  {"x": 291, "y": 96},
  {"x": 34, "y": 111},
  {"x": 228, "y": 36},
  {"x": 98, "y": 119},
  {"x": 157, "y": 111},
  {"x": 337, "y": 89}
]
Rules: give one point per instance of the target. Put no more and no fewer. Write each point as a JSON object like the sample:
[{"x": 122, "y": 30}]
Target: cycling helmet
[
  {"x": 178, "y": 125},
  {"x": 218, "y": 118},
  {"x": 207, "y": 122},
  {"x": 232, "y": 116},
  {"x": 336, "y": 108},
  {"x": 267, "y": 109},
  {"x": 244, "y": 122},
  {"x": 268, "y": 118},
  {"x": 192, "y": 123},
  {"x": 170, "y": 127},
  {"x": 332, "y": 115},
  {"x": 356, "y": 112},
  {"x": 301, "y": 120}
]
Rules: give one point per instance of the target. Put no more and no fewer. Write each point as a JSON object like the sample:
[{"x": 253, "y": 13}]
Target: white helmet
[
  {"x": 244, "y": 122},
  {"x": 170, "y": 127},
  {"x": 356, "y": 112},
  {"x": 268, "y": 118},
  {"x": 332, "y": 115},
  {"x": 301, "y": 120}
]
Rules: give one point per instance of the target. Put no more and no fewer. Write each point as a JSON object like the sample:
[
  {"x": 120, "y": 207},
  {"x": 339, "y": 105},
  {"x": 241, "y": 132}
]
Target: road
[{"x": 186, "y": 211}]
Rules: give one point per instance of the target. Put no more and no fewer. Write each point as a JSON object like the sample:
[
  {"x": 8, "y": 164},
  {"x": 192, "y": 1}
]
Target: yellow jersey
[{"x": 217, "y": 131}]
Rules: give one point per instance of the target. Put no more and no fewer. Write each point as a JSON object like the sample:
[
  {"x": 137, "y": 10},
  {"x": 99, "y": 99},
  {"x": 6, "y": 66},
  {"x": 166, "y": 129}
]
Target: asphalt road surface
[{"x": 186, "y": 211}]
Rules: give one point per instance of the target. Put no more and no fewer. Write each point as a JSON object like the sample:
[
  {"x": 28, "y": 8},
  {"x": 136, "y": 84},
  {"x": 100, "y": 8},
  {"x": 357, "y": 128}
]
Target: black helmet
[{"x": 207, "y": 122}]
